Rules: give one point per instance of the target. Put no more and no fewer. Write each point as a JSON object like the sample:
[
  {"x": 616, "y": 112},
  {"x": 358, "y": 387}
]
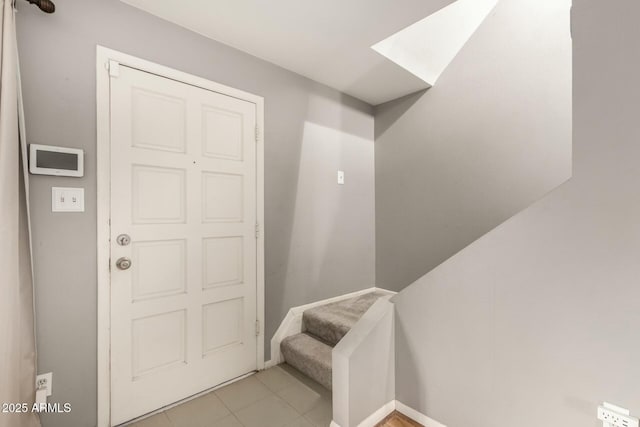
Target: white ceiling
[{"x": 326, "y": 40}]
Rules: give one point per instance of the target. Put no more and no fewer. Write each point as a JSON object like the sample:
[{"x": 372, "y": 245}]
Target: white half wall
[{"x": 364, "y": 367}]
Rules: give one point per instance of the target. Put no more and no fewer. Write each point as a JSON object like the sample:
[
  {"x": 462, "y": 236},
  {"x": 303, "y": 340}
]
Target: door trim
[{"x": 103, "y": 57}]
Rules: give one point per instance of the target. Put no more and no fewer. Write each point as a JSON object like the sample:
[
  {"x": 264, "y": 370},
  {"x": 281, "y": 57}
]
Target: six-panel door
[{"x": 183, "y": 187}]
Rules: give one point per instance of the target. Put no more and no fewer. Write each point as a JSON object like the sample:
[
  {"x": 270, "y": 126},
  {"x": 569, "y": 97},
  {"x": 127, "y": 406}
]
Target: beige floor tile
[
  {"x": 322, "y": 414},
  {"x": 200, "y": 412},
  {"x": 268, "y": 412},
  {"x": 300, "y": 422},
  {"x": 230, "y": 421},
  {"x": 158, "y": 420},
  {"x": 275, "y": 378},
  {"x": 315, "y": 386},
  {"x": 301, "y": 397},
  {"x": 242, "y": 393}
]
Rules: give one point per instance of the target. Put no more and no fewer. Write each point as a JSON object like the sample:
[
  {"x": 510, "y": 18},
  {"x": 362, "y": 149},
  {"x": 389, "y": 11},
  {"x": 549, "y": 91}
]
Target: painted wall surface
[
  {"x": 538, "y": 321},
  {"x": 319, "y": 236},
  {"x": 363, "y": 366},
  {"x": 490, "y": 138}
]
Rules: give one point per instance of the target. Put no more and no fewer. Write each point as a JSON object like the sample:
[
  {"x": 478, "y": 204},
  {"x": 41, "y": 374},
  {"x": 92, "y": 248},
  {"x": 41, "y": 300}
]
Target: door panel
[
  {"x": 222, "y": 325},
  {"x": 223, "y": 197},
  {"x": 160, "y": 269},
  {"x": 158, "y": 342},
  {"x": 222, "y": 133},
  {"x": 159, "y": 121},
  {"x": 183, "y": 187},
  {"x": 158, "y": 195},
  {"x": 229, "y": 270}
]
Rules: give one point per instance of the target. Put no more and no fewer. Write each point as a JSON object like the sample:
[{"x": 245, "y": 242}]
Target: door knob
[
  {"x": 123, "y": 263},
  {"x": 123, "y": 239}
]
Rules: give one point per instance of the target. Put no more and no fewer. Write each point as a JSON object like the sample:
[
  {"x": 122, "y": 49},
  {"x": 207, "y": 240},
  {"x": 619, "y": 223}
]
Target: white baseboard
[
  {"x": 292, "y": 323},
  {"x": 417, "y": 416},
  {"x": 394, "y": 405},
  {"x": 378, "y": 415},
  {"x": 269, "y": 364}
]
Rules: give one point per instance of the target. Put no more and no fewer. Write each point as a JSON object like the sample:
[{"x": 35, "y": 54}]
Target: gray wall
[
  {"x": 537, "y": 322},
  {"x": 319, "y": 236},
  {"x": 490, "y": 138}
]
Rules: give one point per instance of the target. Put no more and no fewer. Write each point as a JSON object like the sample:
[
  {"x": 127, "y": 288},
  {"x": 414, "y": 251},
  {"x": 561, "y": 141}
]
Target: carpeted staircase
[{"x": 323, "y": 327}]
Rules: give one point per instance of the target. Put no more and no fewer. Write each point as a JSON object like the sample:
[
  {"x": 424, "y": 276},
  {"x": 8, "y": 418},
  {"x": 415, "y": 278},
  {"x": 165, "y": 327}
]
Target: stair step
[
  {"x": 324, "y": 326},
  {"x": 331, "y": 322},
  {"x": 310, "y": 356}
]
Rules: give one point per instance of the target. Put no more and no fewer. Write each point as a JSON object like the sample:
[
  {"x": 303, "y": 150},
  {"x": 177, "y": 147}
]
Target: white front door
[{"x": 183, "y": 189}]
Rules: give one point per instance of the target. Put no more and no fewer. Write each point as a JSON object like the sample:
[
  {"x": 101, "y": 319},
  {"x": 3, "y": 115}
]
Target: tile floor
[{"x": 276, "y": 397}]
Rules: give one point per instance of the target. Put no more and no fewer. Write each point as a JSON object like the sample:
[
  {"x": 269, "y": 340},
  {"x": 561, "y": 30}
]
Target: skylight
[{"x": 426, "y": 48}]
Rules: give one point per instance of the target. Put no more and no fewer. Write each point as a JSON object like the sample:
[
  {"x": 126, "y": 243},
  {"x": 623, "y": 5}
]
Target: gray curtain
[{"x": 17, "y": 337}]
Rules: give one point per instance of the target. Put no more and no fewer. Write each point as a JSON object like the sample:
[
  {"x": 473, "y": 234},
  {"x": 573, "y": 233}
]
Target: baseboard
[
  {"x": 378, "y": 415},
  {"x": 269, "y": 364},
  {"x": 292, "y": 323},
  {"x": 417, "y": 416},
  {"x": 394, "y": 405}
]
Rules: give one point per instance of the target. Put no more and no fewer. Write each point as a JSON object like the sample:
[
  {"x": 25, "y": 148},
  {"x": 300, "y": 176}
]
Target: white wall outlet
[
  {"x": 341, "y": 177},
  {"x": 45, "y": 382},
  {"x": 614, "y": 416},
  {"x": 64, "y": 199}
]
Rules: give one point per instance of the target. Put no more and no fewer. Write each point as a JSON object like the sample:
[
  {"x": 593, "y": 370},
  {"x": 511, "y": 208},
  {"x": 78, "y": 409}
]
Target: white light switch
[
  {"x": 64, "y": 199},
  {"x": 341, "y": 177}
]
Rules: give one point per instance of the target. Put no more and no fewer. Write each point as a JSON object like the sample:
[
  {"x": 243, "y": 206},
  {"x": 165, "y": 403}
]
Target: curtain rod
[{"x": 44, "y": 5}]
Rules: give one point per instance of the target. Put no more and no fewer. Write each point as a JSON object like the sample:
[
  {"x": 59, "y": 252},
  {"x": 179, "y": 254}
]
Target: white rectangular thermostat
[{"x": 56, "y": 161}]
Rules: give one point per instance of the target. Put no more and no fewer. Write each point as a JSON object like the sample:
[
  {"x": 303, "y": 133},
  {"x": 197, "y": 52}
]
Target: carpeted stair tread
[
  {"x": 310, "y": 356},
  {"x": 331, "y": 322},
  {"x": 324, "y": 326}
]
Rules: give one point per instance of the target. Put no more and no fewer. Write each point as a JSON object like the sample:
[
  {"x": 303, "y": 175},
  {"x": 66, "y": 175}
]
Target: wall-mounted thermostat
[{"x": 56, "y": 161}]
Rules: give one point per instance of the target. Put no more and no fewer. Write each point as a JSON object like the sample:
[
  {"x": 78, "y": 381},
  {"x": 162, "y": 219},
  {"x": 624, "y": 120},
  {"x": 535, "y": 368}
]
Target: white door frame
[{"x": 104, "y": 57}]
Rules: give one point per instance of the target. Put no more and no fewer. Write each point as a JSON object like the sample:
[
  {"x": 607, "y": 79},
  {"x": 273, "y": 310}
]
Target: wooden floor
[{"x": 396, "y": 419}]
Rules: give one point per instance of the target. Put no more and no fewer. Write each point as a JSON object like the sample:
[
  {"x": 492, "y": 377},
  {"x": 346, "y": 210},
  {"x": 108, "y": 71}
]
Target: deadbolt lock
[{"x": 123, "y": 239}]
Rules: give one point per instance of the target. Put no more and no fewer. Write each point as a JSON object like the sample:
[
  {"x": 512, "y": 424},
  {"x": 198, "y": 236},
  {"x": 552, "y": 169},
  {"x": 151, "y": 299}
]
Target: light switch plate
[
  {"x": 65, "y": 199},
  {"x": 341, "y": 177}
]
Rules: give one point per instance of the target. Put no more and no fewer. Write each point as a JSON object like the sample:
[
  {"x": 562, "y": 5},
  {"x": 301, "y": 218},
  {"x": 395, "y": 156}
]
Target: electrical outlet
[
  {"x": 45, "y": 382},
  {"x": 613, "y": 416}
]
